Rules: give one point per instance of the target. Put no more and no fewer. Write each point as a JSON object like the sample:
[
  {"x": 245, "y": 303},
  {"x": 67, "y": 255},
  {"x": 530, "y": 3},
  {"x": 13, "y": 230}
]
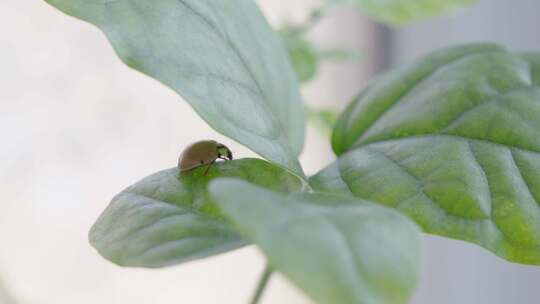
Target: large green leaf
[
  {"x": 398, "y": 12},
  {"x": 336, "y": 248},
  {"x": 169, "y": 218},
  {"x": 221, "y": 56},
  {"x": 453, "y": 140}
]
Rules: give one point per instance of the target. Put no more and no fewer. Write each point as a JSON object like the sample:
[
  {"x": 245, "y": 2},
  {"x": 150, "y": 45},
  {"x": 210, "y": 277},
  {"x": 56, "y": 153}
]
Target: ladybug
[{"x": 203, "y": 153}]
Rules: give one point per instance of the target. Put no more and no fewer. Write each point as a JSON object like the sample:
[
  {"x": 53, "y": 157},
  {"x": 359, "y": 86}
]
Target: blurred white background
[{"x": 77, "y": 126}]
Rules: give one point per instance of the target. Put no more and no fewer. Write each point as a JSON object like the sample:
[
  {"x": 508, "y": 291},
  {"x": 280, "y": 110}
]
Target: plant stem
[{"x": 263, "y": 282}]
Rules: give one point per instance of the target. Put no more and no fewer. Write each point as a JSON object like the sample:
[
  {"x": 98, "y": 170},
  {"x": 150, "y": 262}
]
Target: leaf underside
[
  {"x": 337, "y": 249},
  {"x": 452, "y": 140}
]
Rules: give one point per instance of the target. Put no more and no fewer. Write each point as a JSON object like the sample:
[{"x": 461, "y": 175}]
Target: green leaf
[
  {"x": 452, "y": 140},
  {"x": 322, "y": 120},
  {"x": 168, "y": 218},
  {"x": 302, "y": 54},
  {"x": 337, "y": 249},
  {"x": 400, "y": 12},
  {"x": 221, "y": 56},
  {"x": 305, "y": 56}
]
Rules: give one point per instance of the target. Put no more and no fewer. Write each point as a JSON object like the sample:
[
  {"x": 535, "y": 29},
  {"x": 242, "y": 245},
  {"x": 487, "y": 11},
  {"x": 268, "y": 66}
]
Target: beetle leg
[{"x": 208, "y": 167}]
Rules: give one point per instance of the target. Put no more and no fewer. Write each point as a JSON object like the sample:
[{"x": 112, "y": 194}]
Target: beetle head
[{"x": 223, "y": 151}]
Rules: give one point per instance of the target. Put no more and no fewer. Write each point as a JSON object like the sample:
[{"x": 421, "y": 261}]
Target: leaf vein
[{"x": 522, "y": 177}]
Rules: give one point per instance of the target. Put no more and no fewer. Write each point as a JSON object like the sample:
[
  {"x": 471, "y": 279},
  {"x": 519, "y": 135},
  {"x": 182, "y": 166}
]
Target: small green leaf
[
  {"x": 323, "y": 120},
  {"x": 337, "y": 249},
  {"x": 221, "y": 56},
  {"x": 168, "y": 217},
  {"x": 452, "y": 140},
  {"x": 302, "y": 54},
  {"x": 399, "y": 12},
  {"x": 305, "y": 56}
]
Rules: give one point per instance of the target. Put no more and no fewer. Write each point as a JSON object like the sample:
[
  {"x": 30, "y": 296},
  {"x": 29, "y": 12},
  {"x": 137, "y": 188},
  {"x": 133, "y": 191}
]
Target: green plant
[{"x": 448, "y": 142}]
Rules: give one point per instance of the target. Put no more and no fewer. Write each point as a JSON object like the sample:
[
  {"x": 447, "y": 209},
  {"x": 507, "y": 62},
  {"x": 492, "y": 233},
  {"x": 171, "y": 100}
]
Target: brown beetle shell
[
  {"x": 203, "y": 153},
  {"x": 198, "y": 154}
]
